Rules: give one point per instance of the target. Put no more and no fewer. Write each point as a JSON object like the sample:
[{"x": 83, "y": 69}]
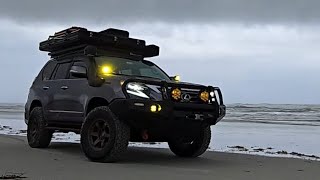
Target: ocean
[
  {"x": 264, "y": 129},
  {"x": 286, "y": 114}
]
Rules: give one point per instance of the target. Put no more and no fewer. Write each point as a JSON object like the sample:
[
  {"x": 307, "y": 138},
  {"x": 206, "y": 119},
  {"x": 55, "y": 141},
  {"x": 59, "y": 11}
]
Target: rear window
[{"x": 48, "y": 70}]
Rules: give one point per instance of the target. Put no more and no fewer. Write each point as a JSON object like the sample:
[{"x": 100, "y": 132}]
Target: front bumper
[
  {"x": 174, "y": 118},
  {"x": 138, "y": 112}
]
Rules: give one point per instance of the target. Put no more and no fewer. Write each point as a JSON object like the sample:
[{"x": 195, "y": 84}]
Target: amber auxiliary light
[
  {"x": 176, "y": 94},
  {"x": 204, "y": 96}
]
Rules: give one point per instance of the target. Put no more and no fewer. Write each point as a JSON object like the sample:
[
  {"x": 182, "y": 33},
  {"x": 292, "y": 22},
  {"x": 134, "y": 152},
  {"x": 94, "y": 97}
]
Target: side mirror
[
  {"x": 78, "y": 71},
  {"x": 175, "y": 78}
]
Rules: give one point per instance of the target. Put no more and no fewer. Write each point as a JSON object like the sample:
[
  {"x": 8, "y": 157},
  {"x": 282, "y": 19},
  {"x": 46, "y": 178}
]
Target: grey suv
[{"x": 101, "y": 86}]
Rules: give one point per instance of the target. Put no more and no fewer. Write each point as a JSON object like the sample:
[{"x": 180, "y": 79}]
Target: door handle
[
  {"x": 64, "y": 87},
  {"x": 45, "y": 87}
]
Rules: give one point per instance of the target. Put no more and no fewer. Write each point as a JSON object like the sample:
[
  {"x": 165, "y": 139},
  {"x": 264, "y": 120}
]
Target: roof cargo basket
[
  {"x": 72, "y": 38},
  {"x": 64, "y": 33},
  {"x": 115, "y": 32}
]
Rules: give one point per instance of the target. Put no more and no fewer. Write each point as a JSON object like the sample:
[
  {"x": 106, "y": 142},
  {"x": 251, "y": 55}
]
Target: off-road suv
[{"x": 99, "y": 84}]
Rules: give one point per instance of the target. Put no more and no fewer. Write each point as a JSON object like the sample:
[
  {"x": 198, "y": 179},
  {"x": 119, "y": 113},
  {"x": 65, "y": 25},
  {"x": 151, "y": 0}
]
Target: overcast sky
[{"x": 262, "y": 51}]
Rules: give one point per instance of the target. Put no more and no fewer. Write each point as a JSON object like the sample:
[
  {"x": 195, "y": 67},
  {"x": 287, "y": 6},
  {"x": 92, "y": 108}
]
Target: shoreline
[
  {"x": 66, "y": 161},
  {"x": 231, "y": 147}
]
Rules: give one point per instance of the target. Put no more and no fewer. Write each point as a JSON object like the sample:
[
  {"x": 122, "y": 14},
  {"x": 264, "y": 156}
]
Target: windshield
[{"x": 127, "y": 67}]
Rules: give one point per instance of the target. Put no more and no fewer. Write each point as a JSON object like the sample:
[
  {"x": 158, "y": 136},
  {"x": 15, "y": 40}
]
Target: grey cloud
[
  {"x": 206, "y": 11},
  {"x": 274, "y": 64}
]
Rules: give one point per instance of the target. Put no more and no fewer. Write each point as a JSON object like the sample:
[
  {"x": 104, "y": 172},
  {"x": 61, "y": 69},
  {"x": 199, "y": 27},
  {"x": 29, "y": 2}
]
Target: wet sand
[{"x": 66, "y": 161}]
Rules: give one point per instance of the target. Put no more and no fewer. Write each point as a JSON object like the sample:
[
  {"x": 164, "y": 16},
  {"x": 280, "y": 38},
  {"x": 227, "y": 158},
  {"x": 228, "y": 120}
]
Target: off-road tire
[
  {"x": 37, "y": 134},
  {"x": 117, "y": 141},
  {"x": 192, "y": 149}
]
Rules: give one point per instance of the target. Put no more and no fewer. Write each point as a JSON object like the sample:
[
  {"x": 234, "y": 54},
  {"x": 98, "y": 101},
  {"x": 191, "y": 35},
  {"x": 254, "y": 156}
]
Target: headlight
[{"x": 137, "y": 89}]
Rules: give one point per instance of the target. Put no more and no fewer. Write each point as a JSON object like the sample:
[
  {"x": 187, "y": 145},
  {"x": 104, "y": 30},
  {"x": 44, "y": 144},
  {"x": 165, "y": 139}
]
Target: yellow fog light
[
  {"x": 105, "y": 70},
  {"x": 155, "y": 108},
  {"x": 176, "y": 94},
  {"x": 204, "y": 96}
]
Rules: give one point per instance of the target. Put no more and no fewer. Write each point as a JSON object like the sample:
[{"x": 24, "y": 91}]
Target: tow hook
[{"x": 196, "y": 116}]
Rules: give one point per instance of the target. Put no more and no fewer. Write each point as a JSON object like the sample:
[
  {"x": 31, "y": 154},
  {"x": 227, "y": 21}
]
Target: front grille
[
  {"x": 194, "y": 94},
  {"x": 190, "y": 96}
]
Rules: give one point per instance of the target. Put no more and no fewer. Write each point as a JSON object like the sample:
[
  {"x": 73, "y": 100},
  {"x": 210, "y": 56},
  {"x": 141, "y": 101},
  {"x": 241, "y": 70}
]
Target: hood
[
  {"x": 187, "y": 83},
  {"x": 158, "y": 80}
]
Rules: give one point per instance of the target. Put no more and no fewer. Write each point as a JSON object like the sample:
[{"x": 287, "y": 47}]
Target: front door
[
  {"x": 71, "y": 95},
  {"x": 75, "y": 95}
]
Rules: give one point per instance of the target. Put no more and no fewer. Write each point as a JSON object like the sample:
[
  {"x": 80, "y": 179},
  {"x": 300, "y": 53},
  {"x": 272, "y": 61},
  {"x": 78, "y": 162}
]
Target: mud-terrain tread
[
  {"x": 120, "y": 141},
  {"x": 193, "y": 151},
  {"x": 45, "y": 135}
]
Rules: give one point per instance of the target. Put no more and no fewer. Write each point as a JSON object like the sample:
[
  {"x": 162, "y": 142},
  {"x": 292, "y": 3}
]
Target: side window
[
  {"x": 62, "y": 70},
  {"x": 48, "y": 70},
  {"x": 78, "y": 63}
]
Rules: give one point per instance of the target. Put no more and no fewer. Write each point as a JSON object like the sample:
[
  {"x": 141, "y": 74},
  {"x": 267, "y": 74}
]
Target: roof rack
[{"x": 77, "y": 38}]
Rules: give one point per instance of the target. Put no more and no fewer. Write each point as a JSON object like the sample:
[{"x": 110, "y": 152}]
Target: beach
[
  {"x": 66, "y": 161},
  {"x": 252, "y": 142},
  {"x": 260, "y": 129}
]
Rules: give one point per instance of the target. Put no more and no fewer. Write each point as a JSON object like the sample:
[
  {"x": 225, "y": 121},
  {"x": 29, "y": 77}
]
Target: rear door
[
  {"x": 56, "y": 106},
  {"x": 45, "y": 88}
]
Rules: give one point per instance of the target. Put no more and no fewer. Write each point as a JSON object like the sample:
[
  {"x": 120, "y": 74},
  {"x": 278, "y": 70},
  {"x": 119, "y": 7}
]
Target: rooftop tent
[{"x": 76, "y": 39}]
